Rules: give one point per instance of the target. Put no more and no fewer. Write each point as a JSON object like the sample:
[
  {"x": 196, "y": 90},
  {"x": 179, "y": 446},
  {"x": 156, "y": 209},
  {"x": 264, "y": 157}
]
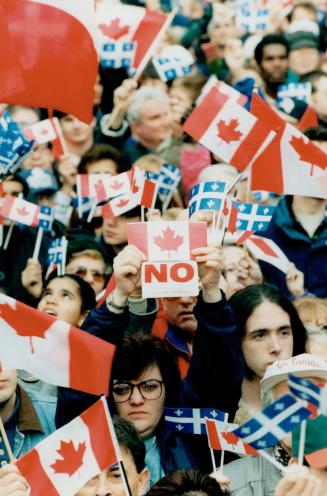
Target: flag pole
[
  {"x": 9, "y": 233},
  {"x": 6, "y": 442},
  {"x": 272, "y": 460},
  {"x": 63, "y": 258},
  {"x": 222, "y": 457},
  {"x": 38, "y": 243},
  {"x": 212, "y": 453},
  {"x": 91, "y": 213},
  {"x": 302, "y": 442}
]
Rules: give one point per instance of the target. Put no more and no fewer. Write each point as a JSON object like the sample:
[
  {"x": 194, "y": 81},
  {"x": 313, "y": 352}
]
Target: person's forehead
[
  {"x": 232, "y": 254},
  {"x": 86, "y": 259},
  {"x": 64, "y": 283},
  {"x": 274, "y": 49},
  {"x": 152, "y": 107},
  {"x": 12, "y": 186}
]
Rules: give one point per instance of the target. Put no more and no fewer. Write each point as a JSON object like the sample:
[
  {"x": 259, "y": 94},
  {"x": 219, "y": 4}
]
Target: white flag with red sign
[
  {"x": 224, "y": 88},
  {"x": 267, "y": 250},
  {"x": 63, "y": 462},
  {"x": 227, "y": 129},
  {"x": 52, "y": 350},
  {"x": 169, "y": 240},
  {"x": 116, "y": 22},
  {"x": 19, "y": 210},
  {"x": 221, "y": 438},
  {"x": 90, "y": 185},
  {"x": 48, "y": 130},
  {"x": 119, "y": 206}
]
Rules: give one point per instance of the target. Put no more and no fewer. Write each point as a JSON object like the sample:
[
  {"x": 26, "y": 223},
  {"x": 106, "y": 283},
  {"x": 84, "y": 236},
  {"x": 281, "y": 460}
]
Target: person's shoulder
[{"x": 42, "y": 398}]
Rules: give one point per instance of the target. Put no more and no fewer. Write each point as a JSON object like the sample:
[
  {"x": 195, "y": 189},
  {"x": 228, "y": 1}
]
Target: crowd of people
[{"x": 229, "y": 348}]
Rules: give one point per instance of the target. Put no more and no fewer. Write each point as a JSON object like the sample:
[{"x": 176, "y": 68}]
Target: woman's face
[
  {"x": 144, "y": 414},
  {"x": 61, "y": 298},
  {"x": 268, "y": 337}
]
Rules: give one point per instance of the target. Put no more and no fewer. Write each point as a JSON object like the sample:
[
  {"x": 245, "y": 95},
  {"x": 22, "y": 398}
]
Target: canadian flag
[
  {"x": 224, "y": 88},
  {"x": 227, "y": 129},
  {"x": 221, "y": 438},
  {"x": 119, "y": 205},
  {"x": 291, "y": 163},
  {"x": 87, "y": 185},
  {"x": 308, "y": 119},
  {"x": 267, "y": 250},
  {"x": 52, "y": 350},
  {"x": 63, "y": 462},
  {"x": 19, "y": 210},
  {"x": 129, "y": 23},
  {"x": 144, "y": 190},
  {"x": 48, "y": 130},
  {"x": 49, "y": 47},
  {"x": 167, "y": 241}
]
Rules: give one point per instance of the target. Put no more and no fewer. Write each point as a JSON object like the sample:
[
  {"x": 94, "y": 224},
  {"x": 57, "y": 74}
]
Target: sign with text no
[{"x": 168, "y": 279}]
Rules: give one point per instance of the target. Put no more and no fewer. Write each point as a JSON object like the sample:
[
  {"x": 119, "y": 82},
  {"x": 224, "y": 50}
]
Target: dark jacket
[
  {"x": 214, "y": 378},
  {"x": 308, "y": 254}
]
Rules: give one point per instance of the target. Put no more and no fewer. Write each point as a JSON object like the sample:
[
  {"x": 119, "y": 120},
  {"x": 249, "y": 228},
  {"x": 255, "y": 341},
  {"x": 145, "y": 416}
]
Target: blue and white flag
[
  {"x": 309, "y": 391},
  {"x": 300, "y": 91},
  {"x": 191, "y": 420},
  {"x": 45, "y": 218},
  {"x": 83, "y": 205},
  {"x": 168, "y": 180},
  {"x": 252, "y": 19},
  {"x": 171, "y": 68},
  {"x": 56, "y": 252},
  {"x": 270, "y": 425},
  {"x": 116, "y": 54},
  {"x": 252, "y": 216},
  {"x": 207, "y": 196},
  {"x": 14, "y": 147}
]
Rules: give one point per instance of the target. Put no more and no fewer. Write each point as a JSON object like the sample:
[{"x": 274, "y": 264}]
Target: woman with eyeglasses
[{"x": 145, "y": 377}]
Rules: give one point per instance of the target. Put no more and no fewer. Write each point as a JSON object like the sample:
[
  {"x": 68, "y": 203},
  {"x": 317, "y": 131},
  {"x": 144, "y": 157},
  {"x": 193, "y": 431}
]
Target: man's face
[
  {"x": 114, "y": 230},
  {"x": 180, "y": 312},
  {"x": 274, "y": 64},
  {"x": 103, "y": 166},
  {"x": 319, "y": 97},
  {"x": 41, "y": 157},
  {"x": 110, "y": 482},
  {"x": 11, "y": 187},
  {"x": 76, "y": 131},
  {"x": 154, "y": 125},
  {"x": 92, "y": 270},
  {"x": 304, "y": 60},
  {"x": 8, "y": 383},
  {"x": 25, "y": 117}
]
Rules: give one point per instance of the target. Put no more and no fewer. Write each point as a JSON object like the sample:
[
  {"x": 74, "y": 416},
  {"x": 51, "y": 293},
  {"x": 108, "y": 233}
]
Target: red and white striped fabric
[
  {"x": 224, "y": 88},
  {"x": 19, "y": 210},
  {"x": 63, "y": 462},
  {"x": 221, "y": 438},
  {"x": 58, "y": 69},
  {"x": 144, "y": 190},
  {"x": 167, "y": 241},
  {"x": 129, "y": 23},
  {"x": 267, "y": 250},
  {"x": 227, "y": 129},
  {"x": 111, "y": 186},
  {"x": 52, "y": 350},
  {"x": 48, "y": 130},
  {"x": 291, "y": 164},
  {"x": 119, "y": 206}
]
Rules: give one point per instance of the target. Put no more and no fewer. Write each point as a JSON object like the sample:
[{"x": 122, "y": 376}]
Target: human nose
[
  {"x": 187, "y": 301},
  {"x": 136, "y": 397},
  {"x": 104, "y": 488},
  {"x": 275, "y": 347}
]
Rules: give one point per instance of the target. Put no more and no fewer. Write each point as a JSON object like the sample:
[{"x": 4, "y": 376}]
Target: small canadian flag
[
  {"x": 62, "y": 463},
  {"x": 167, "y": 241},
  {"x": 19, "y": 210},
  {"x": 221, "y": 438},
  {"x": 48, "y": 130}
]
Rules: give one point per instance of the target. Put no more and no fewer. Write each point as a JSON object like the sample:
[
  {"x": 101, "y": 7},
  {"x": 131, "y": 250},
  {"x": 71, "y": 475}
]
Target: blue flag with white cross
[{"x": 191, "y": 420}]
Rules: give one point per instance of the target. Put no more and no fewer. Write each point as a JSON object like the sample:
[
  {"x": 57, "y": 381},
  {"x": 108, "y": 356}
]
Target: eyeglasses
[
  {"x": 149, "y": 390},
  {"x": 83, "y": 271}
]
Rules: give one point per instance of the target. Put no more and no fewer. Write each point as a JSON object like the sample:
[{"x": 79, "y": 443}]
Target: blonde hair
[
  {"x": 149, "y": 163},
  {"x": 311, "y": 309}
]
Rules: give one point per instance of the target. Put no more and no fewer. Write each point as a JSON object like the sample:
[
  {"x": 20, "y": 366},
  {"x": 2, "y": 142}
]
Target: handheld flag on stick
[
  {"x": 14, "y": 147},
  {"x": 190, "y": 420}
]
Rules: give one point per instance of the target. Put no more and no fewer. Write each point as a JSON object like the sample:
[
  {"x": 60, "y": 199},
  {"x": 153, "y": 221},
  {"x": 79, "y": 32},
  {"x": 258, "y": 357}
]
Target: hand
[
  {"x": 153, "y": 215},
  {"x": 12, "y": 483},
  {"x": 210, "y": 263},
  {"x": 249, "y": 270},
  {"x": 67, "y": 170},
  {"x": 298, "y": 481},
  {"x": 32, "y": 278},
  {"x": 222, "y": 480},
  {"x": 124, "y": 94},
  {"x": 295, "y": 280},
  {"x": 235, "y": 58},
  {"x": 127, "y": 270}
]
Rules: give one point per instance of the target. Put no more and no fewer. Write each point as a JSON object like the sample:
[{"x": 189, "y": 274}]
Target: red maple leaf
[
  {"x": 44, "y": 131},
  {"x": 230, "y": 437},
  {"x": 114, "y": 30},
  {"x": 168, "y": 241},
  {"x": 23, "y": 211},
  {"x": 122, "y": 203},
  {"x": 306, "y": 152},
  {"x": 25, "y": 321},
  {"x": 72, "y": 459},
  {"x": 117, "y": 185},
  {"x": 228, "y": 132},
  {"x": 135, "y": 187}
]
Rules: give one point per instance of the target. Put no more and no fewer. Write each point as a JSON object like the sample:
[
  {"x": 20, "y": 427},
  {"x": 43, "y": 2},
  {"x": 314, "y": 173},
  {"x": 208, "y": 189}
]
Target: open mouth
[{"x": 50, "y": 311}]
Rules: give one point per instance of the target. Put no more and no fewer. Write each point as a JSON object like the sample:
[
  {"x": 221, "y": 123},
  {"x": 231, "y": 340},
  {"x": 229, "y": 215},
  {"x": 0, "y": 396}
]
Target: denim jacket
[{"x": 35, "y": 420}]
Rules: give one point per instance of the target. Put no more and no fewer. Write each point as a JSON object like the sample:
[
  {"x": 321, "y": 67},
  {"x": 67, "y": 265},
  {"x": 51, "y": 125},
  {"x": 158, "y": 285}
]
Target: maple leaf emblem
[
  {"x": 230, "y": 437},
  {"x": 72, "y": 459},
  {"x": 23, "y": 211},
  {"x": 44, "y": 131},
  {"x": 114, "y": 30},
  {"x": 122, "y": 203},
  {"x": 24, "y": 321},
  {"x": 306, "y": 153},
  {"x": 228, "y": 132},
  {"x": 135, "y": 187},
  {"x": 168, "y": 241},
  {"x": 117, "y": 184}
]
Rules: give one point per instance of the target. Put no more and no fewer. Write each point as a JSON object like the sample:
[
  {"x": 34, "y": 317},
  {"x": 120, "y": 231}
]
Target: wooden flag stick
[
  {"x": 38, "y": 243},
  {"x": 91, "y": 213},
  {"x": 302, "y": 442},
  {"x": 8, "y": 236},
  {"x": 272, "y": 460},
  {"x": 6, "y": 442},
  {"x": 222, "y": 457}
]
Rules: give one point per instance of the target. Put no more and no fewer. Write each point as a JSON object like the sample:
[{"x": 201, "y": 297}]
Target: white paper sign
[{"x": 160, "y": 279}]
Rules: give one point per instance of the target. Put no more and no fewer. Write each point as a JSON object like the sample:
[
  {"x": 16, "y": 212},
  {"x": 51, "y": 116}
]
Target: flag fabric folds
[
  {"x": 207, "y": 196},
  {"x": 52, "y": 350},
  {"x": 190, "y": 420},
  {"x": 273, "y": 422},
  {"x": 250, "y": 216},
  {"x": 307, "y": 390},
  {"x": 14, "y": 147},
  {"x": 267, "y": 250},
  {"x": 221, "y": 438},
  {"x": 63, "y": 462}
]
